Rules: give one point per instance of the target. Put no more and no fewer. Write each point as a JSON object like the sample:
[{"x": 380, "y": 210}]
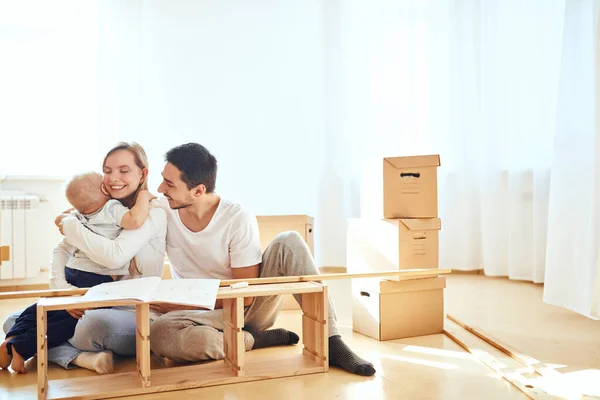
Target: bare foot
[
  {"x": 18, "y": 363},
  {"x": 5, "y": 358}
]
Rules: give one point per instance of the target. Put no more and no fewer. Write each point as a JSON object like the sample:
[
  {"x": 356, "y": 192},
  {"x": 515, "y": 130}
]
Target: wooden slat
[
  {"x": 403, "y": 274},
  {"x": 23, "y": 286},
  {"x": 60, "y": 303},
  {"x": 143, "y": 357},
  {"x": 315, "y": 331},
  {"x": 406, "y": 273},
  {"x": 240, "y": 347},
  {"x": 539, "y": 367},
  {"x": 42, "y": 352},
  {"x": 510, "y": 375},
  {"x": 41, "y": 293},
  {"x": 233, "y": 336},
  {"x": 228, "y": 333},
  {"x": 179, "y": 378},
  {"x": 522, "y": 358},
  {"x": 310, "y": 334},
  {"x": 324, "y": 327}
]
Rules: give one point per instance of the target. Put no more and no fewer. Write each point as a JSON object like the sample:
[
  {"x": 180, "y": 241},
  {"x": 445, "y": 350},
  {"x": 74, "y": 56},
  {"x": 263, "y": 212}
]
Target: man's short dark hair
[{"x": 197, "y": 165}]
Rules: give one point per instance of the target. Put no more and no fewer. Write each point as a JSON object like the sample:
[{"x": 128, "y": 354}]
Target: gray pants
[{"x": 198, "y": 335}]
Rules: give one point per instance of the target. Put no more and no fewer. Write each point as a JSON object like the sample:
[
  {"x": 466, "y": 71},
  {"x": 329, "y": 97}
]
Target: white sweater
[{"x": 147, "y": 244}]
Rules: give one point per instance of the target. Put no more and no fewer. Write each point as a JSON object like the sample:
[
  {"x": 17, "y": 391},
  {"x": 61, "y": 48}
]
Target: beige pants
[{"x": 198, "y": 335}]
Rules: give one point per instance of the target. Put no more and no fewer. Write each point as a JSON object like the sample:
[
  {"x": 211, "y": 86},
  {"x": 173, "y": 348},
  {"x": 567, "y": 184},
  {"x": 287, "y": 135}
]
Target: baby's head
[{"x": 84, "y": 192}]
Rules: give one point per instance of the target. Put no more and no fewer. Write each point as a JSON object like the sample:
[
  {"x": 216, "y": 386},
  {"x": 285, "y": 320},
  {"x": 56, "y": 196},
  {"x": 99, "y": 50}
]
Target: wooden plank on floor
[
  {"x": 506, "y": 367},
  {"x": 540, "y": 368}
]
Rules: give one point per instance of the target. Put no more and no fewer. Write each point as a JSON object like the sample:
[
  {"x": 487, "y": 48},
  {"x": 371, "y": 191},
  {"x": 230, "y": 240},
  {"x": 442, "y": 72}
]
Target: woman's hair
[{"x": 141, "y": 160}]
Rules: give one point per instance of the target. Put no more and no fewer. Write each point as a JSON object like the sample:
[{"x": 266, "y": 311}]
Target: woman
[{"x": 103, "y": 331}]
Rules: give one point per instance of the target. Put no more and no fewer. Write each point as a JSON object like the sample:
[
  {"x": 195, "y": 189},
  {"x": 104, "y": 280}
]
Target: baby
[{"x": 72, "y": 268}]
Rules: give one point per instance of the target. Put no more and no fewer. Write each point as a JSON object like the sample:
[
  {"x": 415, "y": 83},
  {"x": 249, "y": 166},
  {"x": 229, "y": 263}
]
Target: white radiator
[
  {"x": 19, "y": 217},
  {"x": 27, "y": 223}
]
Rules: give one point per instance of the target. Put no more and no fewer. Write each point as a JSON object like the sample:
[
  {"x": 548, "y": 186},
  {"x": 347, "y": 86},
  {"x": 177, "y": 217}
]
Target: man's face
[{"x": 174, "y": 189}]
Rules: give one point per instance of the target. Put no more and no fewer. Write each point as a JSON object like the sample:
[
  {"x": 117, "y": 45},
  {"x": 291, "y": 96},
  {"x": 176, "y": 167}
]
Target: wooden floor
[{"x": 431, "y": 367}]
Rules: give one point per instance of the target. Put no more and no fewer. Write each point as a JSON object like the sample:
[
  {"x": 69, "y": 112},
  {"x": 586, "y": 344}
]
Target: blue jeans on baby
[{"x": 98, "y": 330}]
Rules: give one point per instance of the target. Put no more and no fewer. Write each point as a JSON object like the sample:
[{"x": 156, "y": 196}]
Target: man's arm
[
  {"x": 246, "y": 273},
  {"x": 242, "y": 273},
  {"x": 244, "y": 249}
]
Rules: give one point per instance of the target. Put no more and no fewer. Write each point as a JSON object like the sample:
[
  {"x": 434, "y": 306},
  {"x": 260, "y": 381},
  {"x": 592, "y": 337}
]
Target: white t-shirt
[
  {"x": 231, "y": 240},
  {"x": 105, "y": 222}
]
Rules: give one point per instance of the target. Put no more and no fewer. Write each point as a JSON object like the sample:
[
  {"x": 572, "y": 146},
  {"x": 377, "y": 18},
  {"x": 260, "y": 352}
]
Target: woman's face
[{"x": 122, "y": 176}]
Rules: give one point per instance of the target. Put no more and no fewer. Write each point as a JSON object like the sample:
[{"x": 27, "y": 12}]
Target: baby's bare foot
[
  {"x": 18, "y": 363},
  {"x": 5, "y": 358}
]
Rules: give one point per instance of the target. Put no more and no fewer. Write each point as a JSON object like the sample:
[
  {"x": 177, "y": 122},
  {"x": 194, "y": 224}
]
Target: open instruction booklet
[{"x": 189, "y": 292}]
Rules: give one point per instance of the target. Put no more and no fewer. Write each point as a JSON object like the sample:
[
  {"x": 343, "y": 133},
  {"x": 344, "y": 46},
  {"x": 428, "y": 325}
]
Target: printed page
[
  {"x": 190, "y": 292},
  {"x": 135, "y": 289}
]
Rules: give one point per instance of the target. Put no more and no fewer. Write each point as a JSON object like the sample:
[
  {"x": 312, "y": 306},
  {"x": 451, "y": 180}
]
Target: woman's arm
[
  {"x": 115, "y": 253},
  {"x": 60, "y": 256}
]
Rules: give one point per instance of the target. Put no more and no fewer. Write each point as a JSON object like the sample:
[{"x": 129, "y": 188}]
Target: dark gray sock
[
  {"x": 341, "y": 356},
  {"x": 273, "y": 337}
]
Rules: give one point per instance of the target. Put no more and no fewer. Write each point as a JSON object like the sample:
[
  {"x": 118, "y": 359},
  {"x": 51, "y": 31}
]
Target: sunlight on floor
[
  {"x": 585, "y": 382},
  {"x": 437, "y": 352},
  {"x": 428, "y": 363}
]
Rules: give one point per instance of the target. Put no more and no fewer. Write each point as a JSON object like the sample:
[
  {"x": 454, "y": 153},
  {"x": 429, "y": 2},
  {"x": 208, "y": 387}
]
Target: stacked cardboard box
[
  {"x": 271, "y": 225},
  {"x": 402, "y": 235}
]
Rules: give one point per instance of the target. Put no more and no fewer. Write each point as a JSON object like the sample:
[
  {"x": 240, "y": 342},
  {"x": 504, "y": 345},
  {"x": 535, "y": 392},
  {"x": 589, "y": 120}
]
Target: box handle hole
[
  {"x": 410, "y": 175},
  {"x": 365, "y": 294}
]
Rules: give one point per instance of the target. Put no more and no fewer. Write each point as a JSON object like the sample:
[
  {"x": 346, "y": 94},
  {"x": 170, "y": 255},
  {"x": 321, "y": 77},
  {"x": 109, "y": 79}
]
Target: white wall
[{"x": 245, "y": 79}]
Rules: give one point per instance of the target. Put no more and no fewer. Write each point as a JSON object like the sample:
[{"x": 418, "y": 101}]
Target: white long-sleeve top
[
  {"x": 147, "y": 244},
  {"x": 61, "y": 255}
]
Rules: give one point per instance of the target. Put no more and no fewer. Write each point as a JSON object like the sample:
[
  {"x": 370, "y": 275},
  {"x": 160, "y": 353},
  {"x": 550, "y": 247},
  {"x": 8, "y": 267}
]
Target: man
[{"x": 211, "y": 237}]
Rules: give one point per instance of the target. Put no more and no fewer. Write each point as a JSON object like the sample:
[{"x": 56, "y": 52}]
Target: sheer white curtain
[
  {"x": 507, "y": 92},
  {"x": 476, "y": 82},
  {"x": 504, "y": 78},
  {"x": 573, "y": 266}
]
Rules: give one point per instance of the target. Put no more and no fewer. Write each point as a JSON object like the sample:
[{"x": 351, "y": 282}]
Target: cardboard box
[
  {"x": 271, "y": 225},
  {"x": 399, "y": 309},
  {"x": 390, "y": 244},
  {"x": 407, "y": 188}
]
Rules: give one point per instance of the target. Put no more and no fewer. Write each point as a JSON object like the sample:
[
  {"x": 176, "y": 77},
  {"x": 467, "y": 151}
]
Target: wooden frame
[{"x": 232, "y": 369}]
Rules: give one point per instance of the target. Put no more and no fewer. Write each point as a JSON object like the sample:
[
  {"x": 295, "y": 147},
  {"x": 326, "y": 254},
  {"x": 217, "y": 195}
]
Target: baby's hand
[{"x": 145, "y": 196}]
